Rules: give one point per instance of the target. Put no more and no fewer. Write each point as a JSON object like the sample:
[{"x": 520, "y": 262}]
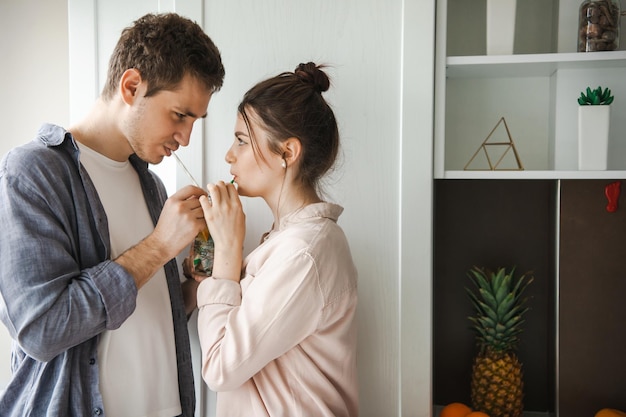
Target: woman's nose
[{"x": 229, "y": 157}]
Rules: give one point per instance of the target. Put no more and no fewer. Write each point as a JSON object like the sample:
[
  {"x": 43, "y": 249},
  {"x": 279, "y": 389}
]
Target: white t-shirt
[{"x": 137, "y": 362}]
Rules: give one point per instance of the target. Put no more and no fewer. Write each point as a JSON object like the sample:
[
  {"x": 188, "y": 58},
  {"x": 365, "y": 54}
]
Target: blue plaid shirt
[{"x": 58, "y": 287}]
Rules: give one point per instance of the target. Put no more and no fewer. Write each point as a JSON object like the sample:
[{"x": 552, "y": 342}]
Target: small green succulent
[{"x": 595, "y": 97}]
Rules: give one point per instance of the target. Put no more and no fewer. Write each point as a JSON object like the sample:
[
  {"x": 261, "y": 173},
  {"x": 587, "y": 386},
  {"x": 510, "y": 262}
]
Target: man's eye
[{"x": 180, "y": 115}]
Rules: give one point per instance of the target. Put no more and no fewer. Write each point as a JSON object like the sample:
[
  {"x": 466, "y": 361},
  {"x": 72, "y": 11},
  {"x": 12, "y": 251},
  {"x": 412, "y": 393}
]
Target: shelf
[
  {"x": 548, "y": 140},
  {"x": 530, "y": 175},
  {"x": 529, "y": 65}
]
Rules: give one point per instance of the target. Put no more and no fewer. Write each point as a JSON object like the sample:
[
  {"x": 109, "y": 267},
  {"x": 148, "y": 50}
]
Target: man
[{"x": 90, "y": 291}]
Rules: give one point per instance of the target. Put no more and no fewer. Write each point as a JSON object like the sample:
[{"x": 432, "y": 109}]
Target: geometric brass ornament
[{"x": 497, "y": 149}]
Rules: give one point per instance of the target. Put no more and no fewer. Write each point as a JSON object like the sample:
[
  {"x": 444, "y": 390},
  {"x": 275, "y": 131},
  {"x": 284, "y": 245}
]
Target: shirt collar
[{"x": 316, "y": 210}]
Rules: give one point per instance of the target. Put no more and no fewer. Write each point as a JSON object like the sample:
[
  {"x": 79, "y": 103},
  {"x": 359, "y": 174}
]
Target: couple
[{"x": 90, "y": 290}]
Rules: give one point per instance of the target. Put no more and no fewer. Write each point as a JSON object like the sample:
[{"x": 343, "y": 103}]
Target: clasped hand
[{"x": 225, "y": 219}]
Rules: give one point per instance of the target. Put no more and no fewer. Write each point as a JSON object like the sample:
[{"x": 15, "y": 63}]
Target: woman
[{"x": 277, "y": 330}]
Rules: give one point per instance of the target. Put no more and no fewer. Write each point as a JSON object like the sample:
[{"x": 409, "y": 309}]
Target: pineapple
[{"x": 497, "y": 387}]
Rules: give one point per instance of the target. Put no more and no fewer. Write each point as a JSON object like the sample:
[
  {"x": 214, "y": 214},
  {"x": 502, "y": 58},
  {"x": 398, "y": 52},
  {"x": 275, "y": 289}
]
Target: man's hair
[{"x": 164, "y": 48}]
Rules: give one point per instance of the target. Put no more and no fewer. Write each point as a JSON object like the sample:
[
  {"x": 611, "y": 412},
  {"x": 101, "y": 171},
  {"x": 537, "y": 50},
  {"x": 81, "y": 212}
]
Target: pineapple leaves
[
  {"x": 499, "y": 306},
  {"x": 486, "y": 322},
  {"x": 517, "y": 289},
  {"x": 490, "y": 300},
  {"x": 502, "y": 289},
  {"x": 505, "y": 306},
  {"x": 497, "y": 280},
  {"x": 480, "y": 277}
]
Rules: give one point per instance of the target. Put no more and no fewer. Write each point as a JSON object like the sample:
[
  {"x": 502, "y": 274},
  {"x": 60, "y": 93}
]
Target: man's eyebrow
[{"x": 193, "y": 115}]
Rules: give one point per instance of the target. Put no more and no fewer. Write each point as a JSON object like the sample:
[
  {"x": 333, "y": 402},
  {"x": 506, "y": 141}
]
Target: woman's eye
[{"x": 240, "y": 141}]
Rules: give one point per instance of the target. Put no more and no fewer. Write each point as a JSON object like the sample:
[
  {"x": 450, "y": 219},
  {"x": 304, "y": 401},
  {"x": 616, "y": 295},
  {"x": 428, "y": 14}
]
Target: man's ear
[
  {"x": 292, "y": 150},
  {"x": 129, "y": 85}
]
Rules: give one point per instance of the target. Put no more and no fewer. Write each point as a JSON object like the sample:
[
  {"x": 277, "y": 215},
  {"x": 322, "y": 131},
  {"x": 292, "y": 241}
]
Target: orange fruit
[
  {"x": 610, "y": 412},
  {"x": 477, "y": 414},
  {"x": 455, "y": 410}
]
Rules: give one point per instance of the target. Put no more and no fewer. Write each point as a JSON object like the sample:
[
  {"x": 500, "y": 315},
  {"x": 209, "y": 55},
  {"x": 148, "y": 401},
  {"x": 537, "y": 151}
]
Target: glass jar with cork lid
[{"x": 598, "y": 25}]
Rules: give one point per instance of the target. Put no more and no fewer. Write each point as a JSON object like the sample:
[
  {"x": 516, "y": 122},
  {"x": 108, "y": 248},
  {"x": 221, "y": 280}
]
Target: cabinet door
[
  {"x": 493, "y": 223},
  {"x": 592, "y": 287}
]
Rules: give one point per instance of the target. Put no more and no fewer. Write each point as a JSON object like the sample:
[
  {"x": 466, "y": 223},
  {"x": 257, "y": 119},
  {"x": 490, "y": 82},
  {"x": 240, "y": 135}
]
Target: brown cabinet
[{"x": 572, "y": 347}]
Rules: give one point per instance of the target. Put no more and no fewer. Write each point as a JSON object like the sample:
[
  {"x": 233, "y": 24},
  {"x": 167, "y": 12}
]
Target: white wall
[
  {"x": 33, "y": 84},
  {"x": 361, "y": 39},
  {"x": 34, "y": 70},
  {"x": 381, "y": 52}
]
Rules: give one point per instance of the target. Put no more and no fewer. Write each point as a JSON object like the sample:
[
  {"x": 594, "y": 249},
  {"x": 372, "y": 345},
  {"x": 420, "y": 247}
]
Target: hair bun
[{"x": 312, "y": 74}]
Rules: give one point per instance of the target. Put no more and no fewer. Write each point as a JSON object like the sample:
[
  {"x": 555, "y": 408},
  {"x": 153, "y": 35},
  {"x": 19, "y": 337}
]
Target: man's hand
[{"x": 180, "y": 221}]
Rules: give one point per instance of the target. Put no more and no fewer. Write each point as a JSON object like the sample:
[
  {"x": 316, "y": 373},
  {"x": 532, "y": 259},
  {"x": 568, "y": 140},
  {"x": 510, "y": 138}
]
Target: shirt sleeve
[
  {"x": 55, "y": 292},
  {"x": 281, "y": 306}
]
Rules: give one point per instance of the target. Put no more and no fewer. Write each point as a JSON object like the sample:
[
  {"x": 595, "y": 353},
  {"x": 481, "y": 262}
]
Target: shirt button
[
  {"x": 92, "y": 361},
  {"x": 97, "y": 411}
]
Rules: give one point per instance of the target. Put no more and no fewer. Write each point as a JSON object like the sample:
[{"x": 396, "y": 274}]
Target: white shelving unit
[{"x": 536, "y": 94}]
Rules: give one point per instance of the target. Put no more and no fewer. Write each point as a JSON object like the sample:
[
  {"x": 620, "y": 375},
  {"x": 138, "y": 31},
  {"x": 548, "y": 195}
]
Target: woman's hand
[{"x": 227, "y": 225}]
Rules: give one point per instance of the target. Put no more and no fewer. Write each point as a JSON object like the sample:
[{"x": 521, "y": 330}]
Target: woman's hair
[
  {"x": 291, "y": 105},
  {"x": 164, "y": 48}
]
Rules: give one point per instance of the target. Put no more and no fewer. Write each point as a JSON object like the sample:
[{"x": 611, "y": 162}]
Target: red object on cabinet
[{"x": 612, "y": 194}]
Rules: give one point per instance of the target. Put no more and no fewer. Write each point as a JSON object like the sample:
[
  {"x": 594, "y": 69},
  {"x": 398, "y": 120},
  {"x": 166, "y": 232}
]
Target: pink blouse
[{"x": 283, "y": 341}]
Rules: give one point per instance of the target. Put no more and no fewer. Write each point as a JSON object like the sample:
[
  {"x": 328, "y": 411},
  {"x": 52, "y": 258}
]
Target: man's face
[{"x": 161, "y": 123}]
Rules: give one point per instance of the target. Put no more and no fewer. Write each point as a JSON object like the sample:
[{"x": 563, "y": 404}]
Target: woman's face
[{"x": 257, "y": 171}]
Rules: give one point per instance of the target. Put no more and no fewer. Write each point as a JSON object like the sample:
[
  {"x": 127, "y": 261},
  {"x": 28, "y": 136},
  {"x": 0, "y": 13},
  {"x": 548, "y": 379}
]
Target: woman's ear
[
  {"x": 292, "y": 150},
  {"x": 129, "y": 85}
]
